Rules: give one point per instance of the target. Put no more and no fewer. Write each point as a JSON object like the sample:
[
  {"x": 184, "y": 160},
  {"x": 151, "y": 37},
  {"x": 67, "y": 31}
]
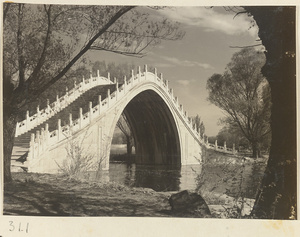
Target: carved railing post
[
  {"x": 100, "y": 103},
  {"x": 117, "y": 90},
  {"x": 70, "y": 121},
  {"x": 176, "y": 101},
  {"x": 145, "y": 71},
  {"x": 108, "y": 76},
  {"x": 139, "y": 73},
  {"x": 38, "y": 113},
  {"x": 31, "y": 146},
  {"x": 132, "y": 78},
  {"x": 58, "y": 130},
  {"x": 90, "y": 110},
  {"x": 57, "y": 103},
  {"x": 80, "y": 118},
  {"x": 37, "y": 141},
  {"x": 108, "y": 97},
  {"x": 125, "y": 84},
  {"x": 46, "y": 134},
  {"x": 27, "y": 119},
  {"x": 172, "y": 93}
]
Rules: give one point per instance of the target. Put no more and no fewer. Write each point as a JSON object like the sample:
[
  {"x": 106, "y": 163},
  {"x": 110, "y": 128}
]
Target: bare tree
[
  {"x": 42, "y": 42},
  {"x": 123, "y": 125},
  {"x": 242, "y": 92}
]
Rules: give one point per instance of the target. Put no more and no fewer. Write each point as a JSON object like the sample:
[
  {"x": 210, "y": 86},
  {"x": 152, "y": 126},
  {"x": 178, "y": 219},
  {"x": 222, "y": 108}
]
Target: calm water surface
[{"x": 232, "y": 179}]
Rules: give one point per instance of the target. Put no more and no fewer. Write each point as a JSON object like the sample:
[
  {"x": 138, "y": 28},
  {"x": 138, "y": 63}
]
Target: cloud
[
  {"x": 185, "y": 63},
  {"x": 212, "y": 20},
  {"x": 184, "y": 82}
]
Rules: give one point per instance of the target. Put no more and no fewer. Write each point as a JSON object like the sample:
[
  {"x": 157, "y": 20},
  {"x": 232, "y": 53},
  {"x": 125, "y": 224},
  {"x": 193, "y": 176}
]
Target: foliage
[
  {"x": 199, "y": 125},
  {"x": 232, "y": 185},
  {"x": 231, "y": 134},
  {"x": 124, "y": 126},
  {"x": 78, "y": 162},
  {"x": 243, "y": 93}
]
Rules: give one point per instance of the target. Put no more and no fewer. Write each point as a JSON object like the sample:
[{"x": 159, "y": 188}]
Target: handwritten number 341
[{"x": 20, "y": 227}]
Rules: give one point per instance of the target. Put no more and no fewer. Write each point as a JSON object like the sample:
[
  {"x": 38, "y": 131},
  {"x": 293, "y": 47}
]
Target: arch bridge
[{"x": 162, "y": 130}]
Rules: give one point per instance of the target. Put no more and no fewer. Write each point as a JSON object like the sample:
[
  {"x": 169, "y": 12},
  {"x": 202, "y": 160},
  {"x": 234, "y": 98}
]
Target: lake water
[{"x": 231, "y": 179}]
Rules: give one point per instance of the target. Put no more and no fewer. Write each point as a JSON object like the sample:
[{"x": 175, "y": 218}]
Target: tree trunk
[
  {"x": 129, "y": 148},
  {"x": 277, "y": 195},
  {"x": 255, "y": 149},
  {"x": 9, "y": 128}
]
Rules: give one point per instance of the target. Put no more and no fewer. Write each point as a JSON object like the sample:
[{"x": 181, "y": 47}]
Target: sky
[{"x": 188, "y": 63}]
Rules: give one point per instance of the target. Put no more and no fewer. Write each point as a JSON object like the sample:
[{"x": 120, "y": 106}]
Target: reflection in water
[{"x": 232, "y": 179}]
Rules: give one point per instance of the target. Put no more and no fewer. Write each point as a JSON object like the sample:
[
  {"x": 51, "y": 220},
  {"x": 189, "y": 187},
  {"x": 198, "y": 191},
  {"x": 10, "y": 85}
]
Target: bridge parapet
[{"x": 51, "y": 109}]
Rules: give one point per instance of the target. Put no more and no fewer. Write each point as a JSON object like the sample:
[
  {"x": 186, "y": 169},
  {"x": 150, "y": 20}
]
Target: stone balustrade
[{"x": 51, "y": 109}]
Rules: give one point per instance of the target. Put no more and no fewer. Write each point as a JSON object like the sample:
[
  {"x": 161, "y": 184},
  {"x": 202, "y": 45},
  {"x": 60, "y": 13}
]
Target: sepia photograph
[{"x": 135, "y": 110}]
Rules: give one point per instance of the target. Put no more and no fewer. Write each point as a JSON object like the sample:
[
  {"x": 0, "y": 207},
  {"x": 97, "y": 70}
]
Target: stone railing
[
  {"x": 223, "y": 148},
  {"x": 51, "y": 109},
  {"x": 45, "y": 138}
]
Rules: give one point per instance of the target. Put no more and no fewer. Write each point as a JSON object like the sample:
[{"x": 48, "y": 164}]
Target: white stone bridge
[{"x": 162, "y": 131}]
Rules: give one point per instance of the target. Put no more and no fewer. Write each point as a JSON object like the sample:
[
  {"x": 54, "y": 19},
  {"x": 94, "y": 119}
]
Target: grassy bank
[{"x": 53, "y": 195}]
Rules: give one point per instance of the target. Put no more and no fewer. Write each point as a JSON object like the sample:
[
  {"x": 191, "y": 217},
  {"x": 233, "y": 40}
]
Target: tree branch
[
  {"x": 242, "y": 47},
  {"x": 120, "y": 13},
  {"x": 41, "y": 61}
]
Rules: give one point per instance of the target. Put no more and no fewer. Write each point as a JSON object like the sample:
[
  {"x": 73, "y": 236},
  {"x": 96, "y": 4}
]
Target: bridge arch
[{"x": 153, "y": 124}]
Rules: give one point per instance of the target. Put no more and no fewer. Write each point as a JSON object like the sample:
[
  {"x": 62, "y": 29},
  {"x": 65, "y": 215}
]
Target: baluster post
[
  {"x": 132, "y": 78},
  {"x": 27, "y": 119},
  {"x": 108, "y": 76},
  {"x": 37, "y": 141},
  {"x": 108, "y": 97},
  {"x": 31, "y": 145},
  {"x": 80, "y": 118},
  {"x": 90, "y": 110},
  {"x": 42, "y": 139},
  {"x": 161, "y": 79},
  {"x": 155, "y": 73},
  {"x": 172, "y": 93},
  {"x": 216, "y": 144},
  {"x": 117, "y": 90},
  {"x": 70, "y": 121},
  {"x": 139, "y": 73},
  {"x": 57, "y": 103},
  {"x": 38, "y": 113},
  {"x": 100, "y": 104},
  {"x": 176, "y": 100},
  {"x": 46, "y": 133},
  {"x": 145, "y": 71},
  {"x": 58, "y": 129},
  {"x": 125, "y": 84}
]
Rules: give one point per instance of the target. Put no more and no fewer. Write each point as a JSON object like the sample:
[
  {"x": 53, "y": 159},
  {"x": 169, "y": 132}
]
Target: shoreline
[{"x": 32, "y": 194}]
